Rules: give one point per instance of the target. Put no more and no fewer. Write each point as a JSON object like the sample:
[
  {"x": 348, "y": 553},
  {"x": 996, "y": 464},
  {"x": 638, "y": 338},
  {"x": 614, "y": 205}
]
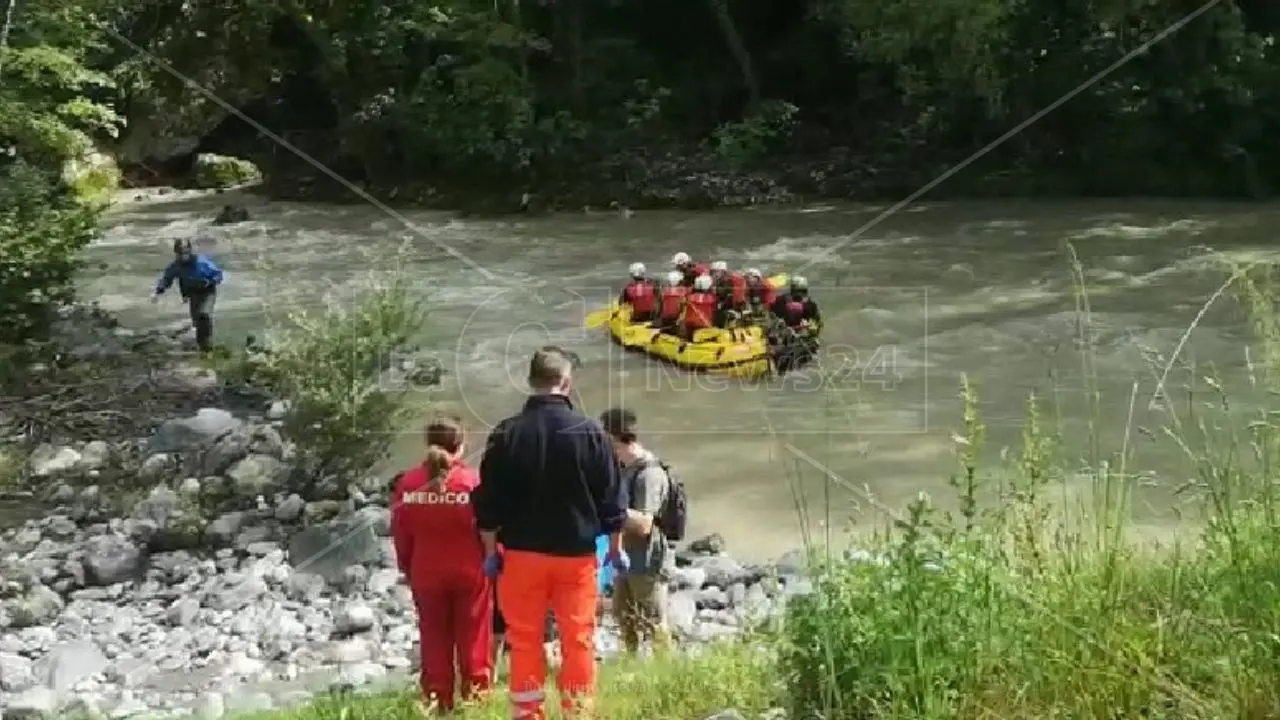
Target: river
[{"x": 928, "y": 295}]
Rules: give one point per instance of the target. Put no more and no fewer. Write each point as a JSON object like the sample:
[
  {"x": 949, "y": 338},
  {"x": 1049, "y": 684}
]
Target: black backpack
[{"x": 673, "y": 518}]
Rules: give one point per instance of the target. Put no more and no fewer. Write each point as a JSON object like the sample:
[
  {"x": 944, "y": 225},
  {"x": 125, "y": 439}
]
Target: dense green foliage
[
  {"x": 51, "y": 114},
  {"x": 832, "y": 96}
]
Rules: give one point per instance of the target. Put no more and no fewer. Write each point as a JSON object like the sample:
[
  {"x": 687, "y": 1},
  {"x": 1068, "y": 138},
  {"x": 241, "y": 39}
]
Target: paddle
[{"x": 598, "y": 318}]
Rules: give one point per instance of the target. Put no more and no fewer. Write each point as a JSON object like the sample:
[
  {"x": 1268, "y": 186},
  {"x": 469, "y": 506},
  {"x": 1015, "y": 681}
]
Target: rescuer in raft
[
  {"x": 798, "y": 320},
  {"x": 760, "y": 293},
  {"x": 641, "y": 294},
  {"x": 438, "y": 549},
  {"x": 699, "y": 307},
  {"x": 730, "y": 291},
  {"x": 688, "y": 268},
  {"x": 671, "y": 301}
]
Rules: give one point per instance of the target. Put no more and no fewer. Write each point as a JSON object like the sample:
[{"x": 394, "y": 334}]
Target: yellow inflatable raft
[{"x": 737, "y": 352}]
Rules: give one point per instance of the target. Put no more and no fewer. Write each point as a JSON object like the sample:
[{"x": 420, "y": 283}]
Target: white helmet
[
  {"x": 754, "y": 273},
  {"x": 719, "y": 266},
  {"x": 674, "y": 277},
  {"x": 681, "y": 259},
  {"x": 636, "y": 270},
  {"x": 702, "y": 282},
  {"x": 799, "y": 283}
]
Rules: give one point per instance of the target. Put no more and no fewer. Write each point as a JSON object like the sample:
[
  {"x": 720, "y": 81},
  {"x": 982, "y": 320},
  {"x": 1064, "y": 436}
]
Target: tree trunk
[{"x": 738, "y": 49}]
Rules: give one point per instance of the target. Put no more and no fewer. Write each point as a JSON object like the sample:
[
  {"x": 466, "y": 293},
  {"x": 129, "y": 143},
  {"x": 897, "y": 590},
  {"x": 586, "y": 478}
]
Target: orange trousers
[{"x": 530, "y": 585}]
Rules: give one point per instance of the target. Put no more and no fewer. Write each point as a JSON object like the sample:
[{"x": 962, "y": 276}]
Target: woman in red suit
[{"x": 438, "y": 549}]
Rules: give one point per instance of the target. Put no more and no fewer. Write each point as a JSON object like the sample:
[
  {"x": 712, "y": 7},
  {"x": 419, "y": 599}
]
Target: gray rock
[
  {"x": 182, "y": 612},
  {"x": 290, "y": 509},
  {"x": 38, "y": 606},
  {"x": 111, "y": 559},
  {"x": 230, "y": 449},
  {"x": 71, "y": 662},
  {"x": 726, "y": 715},
  {"x": 378, "y": 518},
  {"x": 688, "y": 578},
  {"x": 16, "y": 672},
  {"x": 257, "y": 475},
  {"x": 304, "y": 586},
  {"x": 712, "y": 544},
  {"x": 159, "y": 505},
  {"x": 722, "y": 570},
  {"x": 190, "y": 433},
  {"x": 95, "y": 455},
  {"x": 682, "y": 612},
  {"x": 329, "y": 549},
  {"x": 278, "y": 410},
  {"x": 157, "y": 468},
  {"x": 224, "y": 529},
  {"x": 354, "y": 618},
  {"x": 37, "y": 703},
  {"x": 50, "y": 460}
]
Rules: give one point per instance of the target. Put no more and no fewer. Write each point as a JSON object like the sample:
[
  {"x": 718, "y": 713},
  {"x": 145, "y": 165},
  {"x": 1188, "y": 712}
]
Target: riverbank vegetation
[
  {"x": 588, "y": 102},
  {"x": 1014, "y": 605}
]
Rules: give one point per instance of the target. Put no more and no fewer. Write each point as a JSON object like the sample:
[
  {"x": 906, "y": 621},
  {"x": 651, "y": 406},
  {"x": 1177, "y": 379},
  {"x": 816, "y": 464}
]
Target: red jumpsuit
[{"x": 438, "y": 549}]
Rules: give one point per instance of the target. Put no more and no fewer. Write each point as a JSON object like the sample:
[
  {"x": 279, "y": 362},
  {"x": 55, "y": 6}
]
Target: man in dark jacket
[
  {"x": 198, "y": 279},
  {"x": 548, "y": 486}
]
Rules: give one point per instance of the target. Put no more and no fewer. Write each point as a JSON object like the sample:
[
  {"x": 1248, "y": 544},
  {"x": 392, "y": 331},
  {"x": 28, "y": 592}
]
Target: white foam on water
[{"x": 1120, "y": 231}]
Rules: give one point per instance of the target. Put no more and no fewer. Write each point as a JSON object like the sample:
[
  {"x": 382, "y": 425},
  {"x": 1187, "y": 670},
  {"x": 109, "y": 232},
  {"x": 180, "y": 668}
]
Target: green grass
[
  {"x": 1012, "y": 606},
  {"x": 730, "y": 675}
]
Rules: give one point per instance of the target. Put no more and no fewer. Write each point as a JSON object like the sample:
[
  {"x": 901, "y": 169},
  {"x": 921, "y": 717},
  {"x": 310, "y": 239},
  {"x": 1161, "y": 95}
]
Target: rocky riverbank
[
  {"x": 174, "y": 563},
  {"x": 158, "y": 614}
]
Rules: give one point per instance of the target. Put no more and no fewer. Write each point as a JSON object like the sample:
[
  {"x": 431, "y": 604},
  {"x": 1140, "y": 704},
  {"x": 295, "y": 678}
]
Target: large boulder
[
  {"x": 214, "y": 172},
  {"x": 199, "y": 430},
  {"x": 232, "y": 214}
]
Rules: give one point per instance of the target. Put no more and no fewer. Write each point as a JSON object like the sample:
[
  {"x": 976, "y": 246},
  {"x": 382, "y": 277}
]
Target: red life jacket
[
  {"x": 433, "y": 526},
  {"x": 762, "y": 293},
  {"x": 699, "y": 310},
  {"x": 672, "y": 300},
  {"x": 693, "y": 270},
  {"x": 738, "y": 289},
  {"x": 640, "y": 295},
  {"x": 793, "y": 310}
]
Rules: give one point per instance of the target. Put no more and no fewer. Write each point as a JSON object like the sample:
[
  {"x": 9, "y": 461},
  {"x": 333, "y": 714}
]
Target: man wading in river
[{"x": 198, "y": 280}]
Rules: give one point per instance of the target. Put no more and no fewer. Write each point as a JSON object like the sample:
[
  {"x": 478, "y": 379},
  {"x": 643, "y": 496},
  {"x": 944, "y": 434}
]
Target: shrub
[
  {"x": 43, "y": 229},
  {"x": 219, "y": 171},
  {"x": 1009, "y": 609},
  {"x": 752, "y": 138},
  {"x": 329, "y": 364}
]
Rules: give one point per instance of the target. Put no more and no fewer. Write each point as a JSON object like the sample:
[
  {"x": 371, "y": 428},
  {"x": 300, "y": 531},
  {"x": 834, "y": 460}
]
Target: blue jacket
[
  {"x": 549, "y": 481},
  {"x": 199, "y": 275},
  {"x": 606, "y": 570}
]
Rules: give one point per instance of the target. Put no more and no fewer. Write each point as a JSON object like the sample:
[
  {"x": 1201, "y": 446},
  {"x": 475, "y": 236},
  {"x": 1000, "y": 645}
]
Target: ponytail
[
  {"x": 444, "y": 441},
  {"x": 437, "y": 463}
]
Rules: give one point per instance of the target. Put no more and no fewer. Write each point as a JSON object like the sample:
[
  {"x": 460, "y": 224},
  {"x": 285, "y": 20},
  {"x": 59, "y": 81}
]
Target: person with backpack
[{"x": 655, "y": 513}]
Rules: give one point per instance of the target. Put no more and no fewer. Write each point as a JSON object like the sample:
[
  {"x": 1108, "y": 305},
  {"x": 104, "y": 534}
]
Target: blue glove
[
  {"x": 620, "y": 561},
  {"x": 492, "y": 566}
]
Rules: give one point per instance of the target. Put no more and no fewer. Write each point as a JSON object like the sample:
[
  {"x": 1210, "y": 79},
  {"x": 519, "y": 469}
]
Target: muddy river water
[{"x": 933, "y": 293}]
